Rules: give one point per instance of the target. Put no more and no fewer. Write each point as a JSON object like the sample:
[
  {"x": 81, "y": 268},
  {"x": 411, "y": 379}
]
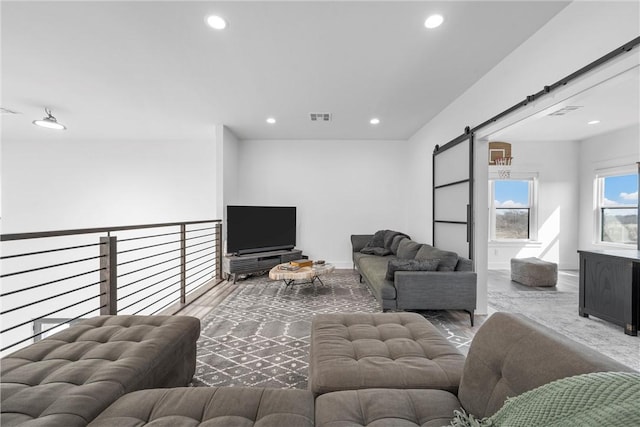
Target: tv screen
[{"x": 260, "y": 228}]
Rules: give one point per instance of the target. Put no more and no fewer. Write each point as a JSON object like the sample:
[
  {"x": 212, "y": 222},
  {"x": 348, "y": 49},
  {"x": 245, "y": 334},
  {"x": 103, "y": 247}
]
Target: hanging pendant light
[{"x": 49, "y": 122}]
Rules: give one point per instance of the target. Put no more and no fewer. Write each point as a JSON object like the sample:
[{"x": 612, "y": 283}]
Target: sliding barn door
[{"x": 453, "y": 196}]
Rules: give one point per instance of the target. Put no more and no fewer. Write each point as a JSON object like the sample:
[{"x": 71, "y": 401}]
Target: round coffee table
[{"x": 310, "y": 274}]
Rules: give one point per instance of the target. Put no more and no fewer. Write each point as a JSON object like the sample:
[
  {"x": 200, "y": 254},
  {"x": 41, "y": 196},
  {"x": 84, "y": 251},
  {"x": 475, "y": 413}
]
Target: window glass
[
  {"x": 511, "y": 194},
  {"x": 511, "y": 209},
  {"x": 619, "y": 209}
]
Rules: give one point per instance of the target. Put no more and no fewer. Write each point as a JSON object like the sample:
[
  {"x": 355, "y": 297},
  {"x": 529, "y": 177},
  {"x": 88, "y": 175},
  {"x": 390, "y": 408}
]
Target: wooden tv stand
[{"x": 252, "y": 263}]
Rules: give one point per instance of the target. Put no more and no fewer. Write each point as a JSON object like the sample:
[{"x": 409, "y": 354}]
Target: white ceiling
[
  {"x": 154, "y": 70},
  {"x": 615, "y": 103}
]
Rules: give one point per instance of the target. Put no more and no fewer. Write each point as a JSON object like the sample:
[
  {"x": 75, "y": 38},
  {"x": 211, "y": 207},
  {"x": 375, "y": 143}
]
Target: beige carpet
[{"x": 557, "y": 308}]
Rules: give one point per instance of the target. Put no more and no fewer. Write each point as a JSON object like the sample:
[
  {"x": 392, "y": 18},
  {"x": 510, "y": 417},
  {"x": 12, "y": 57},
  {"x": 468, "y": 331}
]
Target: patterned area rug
[{"x": 259, "y": 335}]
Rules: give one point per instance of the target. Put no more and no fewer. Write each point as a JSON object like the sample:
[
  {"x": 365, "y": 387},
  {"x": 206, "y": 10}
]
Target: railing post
[
  {"x": 108, "y": 275},
  {"x": 219, "y": 251},
  {"x": 183, "y": 264}
]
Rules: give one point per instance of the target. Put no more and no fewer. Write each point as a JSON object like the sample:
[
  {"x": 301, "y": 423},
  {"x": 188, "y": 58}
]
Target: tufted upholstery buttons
[
  {"x": 390, "y": 350},
  {"x": 384, "y": 407},
  {"x": 211, "y": 407},
  {"x": 69, "y": 378}
]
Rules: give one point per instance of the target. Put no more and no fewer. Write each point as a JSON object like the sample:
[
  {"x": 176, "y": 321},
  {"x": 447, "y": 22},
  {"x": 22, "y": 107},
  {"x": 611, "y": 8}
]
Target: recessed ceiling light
[
  {"x": 271, "y": 120},
  {"x": 433, "y": 21},
  {"x": 593, "y": 122},
  {"x": 216, "y": 22},
  {"x": 374, "y": 121}
]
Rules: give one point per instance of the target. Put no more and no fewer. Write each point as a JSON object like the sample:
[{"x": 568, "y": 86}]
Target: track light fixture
[{"x": 49, "y": 122}]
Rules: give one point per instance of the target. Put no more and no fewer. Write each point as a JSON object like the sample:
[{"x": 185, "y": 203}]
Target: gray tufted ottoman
[
  {"x": 70, "y": 377},
  {"x": 211, "y": 406},
  {"x": 389, "y": 350},
  {"x": 534, "y": 272}
]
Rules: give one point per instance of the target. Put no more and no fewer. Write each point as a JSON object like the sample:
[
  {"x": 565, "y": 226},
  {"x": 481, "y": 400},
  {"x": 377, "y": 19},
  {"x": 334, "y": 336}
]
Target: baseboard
[
  {"x": 499, "y": 265},
  {"x": 342, "y": 265}
]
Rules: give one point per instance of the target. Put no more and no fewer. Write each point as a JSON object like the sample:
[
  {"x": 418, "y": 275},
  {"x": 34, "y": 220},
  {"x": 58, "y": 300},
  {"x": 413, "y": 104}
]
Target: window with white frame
[
  {"x": 617, "y": 210},
  {"x": 512, "y": 209}
]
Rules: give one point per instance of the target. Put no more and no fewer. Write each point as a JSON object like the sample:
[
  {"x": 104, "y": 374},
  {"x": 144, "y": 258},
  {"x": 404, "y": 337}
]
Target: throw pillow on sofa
[
  {"x": 407, "y": 249},
  {"x": 409, "y": 265},
  {"x": 396, "y": 242},
  {"x": 448, "y": 260}
]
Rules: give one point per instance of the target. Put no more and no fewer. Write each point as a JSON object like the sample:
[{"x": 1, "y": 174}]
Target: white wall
[
  {"x": 615, "y": 149},
  {"x": 339, "y": 188},
  {"x": 556, "y": 166},
  {"x": 231, "y": 168},
  {"x": 227, "y": 170},
  {"x": 568, "y": 42},
  {"x": 60, "y": 185},
  {"x": 55, "y": 185}
]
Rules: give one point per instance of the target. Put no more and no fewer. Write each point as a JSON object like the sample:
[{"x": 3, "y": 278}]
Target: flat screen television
[{"x": 253, "y": 229}]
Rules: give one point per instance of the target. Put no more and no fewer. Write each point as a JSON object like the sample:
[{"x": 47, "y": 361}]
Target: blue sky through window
[
  {"x": 511, "y": 194},
  {"x": 621, "y": 190}
]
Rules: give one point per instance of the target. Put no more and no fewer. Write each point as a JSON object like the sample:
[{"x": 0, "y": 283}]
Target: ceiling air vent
[
  {"x": 320, "y": 117},
  {"x": 565, "y": 110}
]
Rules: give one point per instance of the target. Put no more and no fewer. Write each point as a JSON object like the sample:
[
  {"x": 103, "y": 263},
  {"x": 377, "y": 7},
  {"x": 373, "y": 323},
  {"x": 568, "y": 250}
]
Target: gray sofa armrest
[
  {"x": 436, "y": 290},
  {"x": 511, "y": 354},
  {"x": 359, "y": 241}
]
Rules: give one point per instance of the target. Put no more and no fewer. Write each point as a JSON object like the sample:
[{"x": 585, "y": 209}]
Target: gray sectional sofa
[
  {"x": 377, "y": 369},
  {"x": 509, "y": 355},
  {"x": 425, "y": 278}
]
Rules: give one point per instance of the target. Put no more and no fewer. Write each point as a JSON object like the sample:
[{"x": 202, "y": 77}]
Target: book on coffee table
[
  {"x": 302, "y": 263},
  {"x": 288, "y": 267}
]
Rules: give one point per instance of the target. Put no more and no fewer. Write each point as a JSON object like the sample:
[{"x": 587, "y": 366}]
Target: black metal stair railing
[{"x": 52, "y": 279}]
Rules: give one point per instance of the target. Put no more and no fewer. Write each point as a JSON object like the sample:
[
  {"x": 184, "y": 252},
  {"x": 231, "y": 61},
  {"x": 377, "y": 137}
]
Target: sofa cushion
[
  {"x": 464, "y": 264},
  {"x": 358, "y": 256},
  {"x": 410, "y": 265},
  {"x": 396, "y": 242},
  {"x": 70, "y": 377},
  {"x": 374, "y": 269},
  {"x": 448, "y": 260},
  {"x": 352, "y": 351},
  {"x": 407, "y": 249},
  {"x": 375, "y": 251},
  {"x": 386, "y": 407},
  {"x": 211, "y": 406}
]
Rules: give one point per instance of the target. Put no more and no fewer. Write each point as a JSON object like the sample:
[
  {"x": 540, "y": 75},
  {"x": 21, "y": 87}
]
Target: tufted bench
[
  {"x": 389, "y": 350},
  {"x": 211, "y": 406},
  {"x": 70, "y": 377},
  {"x": 509, "y": 355},
  {"x": 534, "y": 272}
]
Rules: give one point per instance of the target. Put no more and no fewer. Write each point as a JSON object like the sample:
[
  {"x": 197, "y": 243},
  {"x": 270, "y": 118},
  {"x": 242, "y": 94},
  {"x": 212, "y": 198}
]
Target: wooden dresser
[{"x": 610, "y": 287}]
